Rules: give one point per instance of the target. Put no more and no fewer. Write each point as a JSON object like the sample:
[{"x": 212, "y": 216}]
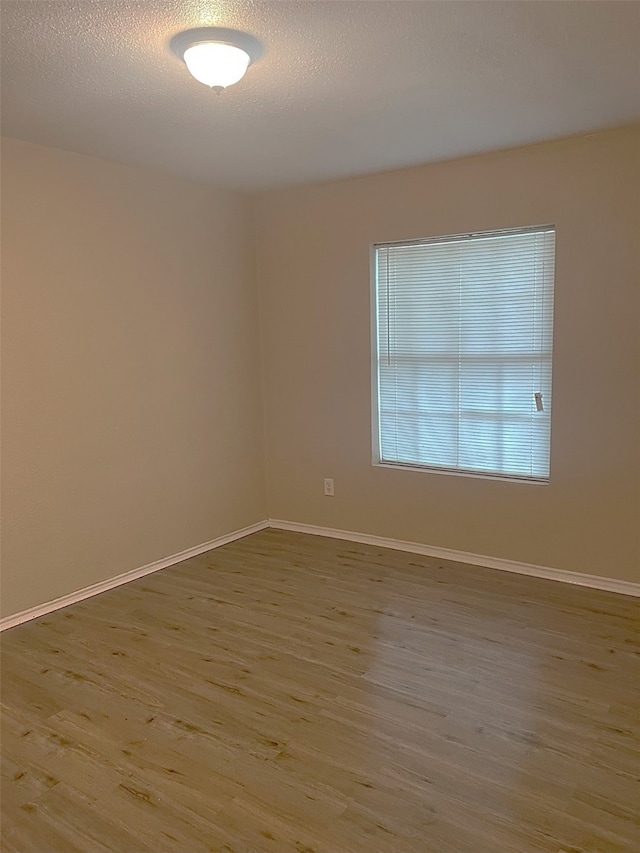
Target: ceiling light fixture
[{"x": 216, "y": 56}]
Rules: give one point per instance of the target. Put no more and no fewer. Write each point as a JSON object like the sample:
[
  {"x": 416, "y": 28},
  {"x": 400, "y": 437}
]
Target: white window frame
[{"x": 377, "y": 459}]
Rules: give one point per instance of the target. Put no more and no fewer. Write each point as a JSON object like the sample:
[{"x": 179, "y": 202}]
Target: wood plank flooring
[{"x": 289, "y": 693}]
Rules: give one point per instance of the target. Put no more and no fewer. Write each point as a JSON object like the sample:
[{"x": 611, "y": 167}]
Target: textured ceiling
[{"x": 344, "y": 87}]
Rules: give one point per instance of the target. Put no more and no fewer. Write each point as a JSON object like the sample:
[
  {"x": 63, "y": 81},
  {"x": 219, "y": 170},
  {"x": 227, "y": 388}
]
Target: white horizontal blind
[{"x": 464, "y": 345}]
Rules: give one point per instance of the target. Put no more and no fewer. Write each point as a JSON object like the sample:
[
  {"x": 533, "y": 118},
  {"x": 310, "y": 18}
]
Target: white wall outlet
[{"x": 328, "y": 487}]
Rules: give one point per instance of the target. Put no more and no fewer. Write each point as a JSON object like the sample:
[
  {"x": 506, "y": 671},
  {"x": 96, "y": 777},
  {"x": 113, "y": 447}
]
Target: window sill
[{"x": 452, "y": 472}]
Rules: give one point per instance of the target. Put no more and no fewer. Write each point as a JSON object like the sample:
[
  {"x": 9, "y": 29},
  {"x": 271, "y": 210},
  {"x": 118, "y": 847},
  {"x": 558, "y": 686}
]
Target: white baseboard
[
  {"x": 594, "y": 581},
  {"x": 118, "y": 580}
]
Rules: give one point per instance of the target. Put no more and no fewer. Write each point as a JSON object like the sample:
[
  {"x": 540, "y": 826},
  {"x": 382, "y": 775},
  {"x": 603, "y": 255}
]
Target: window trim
[{"x": 376, "y": 448}]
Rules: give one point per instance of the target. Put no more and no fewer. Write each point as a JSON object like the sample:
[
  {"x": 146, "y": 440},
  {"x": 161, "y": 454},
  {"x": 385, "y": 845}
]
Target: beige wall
[
  {"x": 312, "y": 257},
  {"x": 131, "y": 396},
  {"x": 132, "y": 405}
]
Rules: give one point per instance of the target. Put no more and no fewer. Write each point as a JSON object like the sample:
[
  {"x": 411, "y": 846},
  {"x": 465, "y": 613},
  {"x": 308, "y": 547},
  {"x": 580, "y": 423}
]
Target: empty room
[{"x": 320, "y": 426}]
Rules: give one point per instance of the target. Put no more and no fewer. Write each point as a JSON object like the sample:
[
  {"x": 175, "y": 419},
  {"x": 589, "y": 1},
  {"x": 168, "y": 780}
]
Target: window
[{"x": 462, "y": 353}]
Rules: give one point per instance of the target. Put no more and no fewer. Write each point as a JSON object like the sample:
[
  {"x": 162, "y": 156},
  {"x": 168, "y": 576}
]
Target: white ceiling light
[{"x": 216, "y": 56}]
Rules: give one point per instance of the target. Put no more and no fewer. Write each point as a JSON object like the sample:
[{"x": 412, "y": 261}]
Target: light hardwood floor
[{"x": 293, "y": 693}]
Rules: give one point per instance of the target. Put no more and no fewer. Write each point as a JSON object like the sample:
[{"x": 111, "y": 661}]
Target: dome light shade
[
  {"x": 216, "y": 64},
  {"x": 216, "y": 56}
]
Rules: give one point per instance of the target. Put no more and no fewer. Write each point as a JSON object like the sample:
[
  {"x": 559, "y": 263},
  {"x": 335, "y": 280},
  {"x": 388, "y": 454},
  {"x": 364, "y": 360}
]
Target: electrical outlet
[{"x": 328, "y": 487}]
